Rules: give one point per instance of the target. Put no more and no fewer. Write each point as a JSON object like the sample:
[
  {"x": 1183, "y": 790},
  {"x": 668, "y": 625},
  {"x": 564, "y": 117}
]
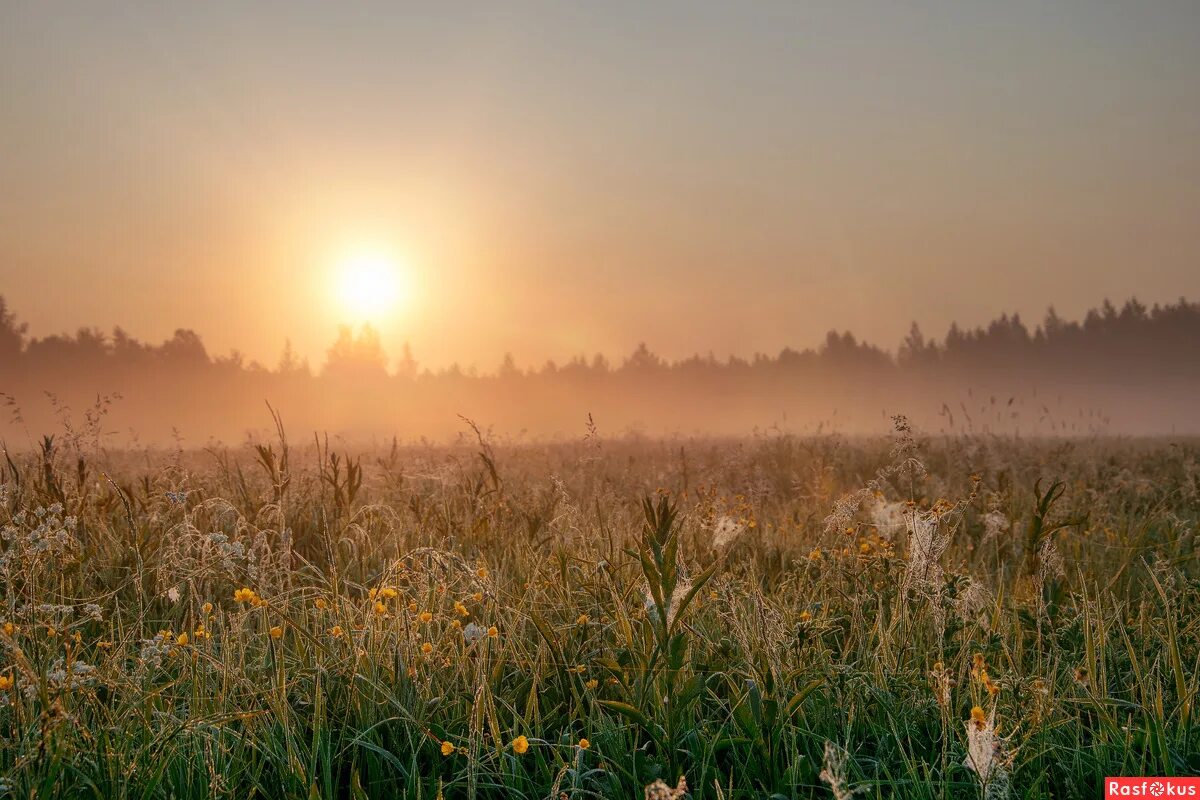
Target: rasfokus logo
[{"x": 1152, "y": 787}]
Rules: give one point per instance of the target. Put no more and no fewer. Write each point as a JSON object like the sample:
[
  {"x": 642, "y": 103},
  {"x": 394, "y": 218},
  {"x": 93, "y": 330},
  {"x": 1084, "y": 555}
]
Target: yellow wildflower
[
  {"x": 978, "y": 718},
  {"x": 493, "y": 632},
  {"x": 520, "y": 745},
  {"x": 427, "y": 648},
  {"x": 276, "y": 632},
  {"x": 584, "y": 744},
  {"x": 182, "y": 639},
  {"x": 447, "y": 749}
]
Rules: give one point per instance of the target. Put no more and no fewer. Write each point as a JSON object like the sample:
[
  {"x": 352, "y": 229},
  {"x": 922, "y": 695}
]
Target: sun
[{"x": 369, "y": 285}]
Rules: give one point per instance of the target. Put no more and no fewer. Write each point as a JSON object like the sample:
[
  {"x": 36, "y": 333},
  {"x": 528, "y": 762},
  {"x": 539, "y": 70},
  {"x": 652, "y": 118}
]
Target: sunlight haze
[
  {"x": 561, "y": 181},
  {"x": 664, "y": 399}
]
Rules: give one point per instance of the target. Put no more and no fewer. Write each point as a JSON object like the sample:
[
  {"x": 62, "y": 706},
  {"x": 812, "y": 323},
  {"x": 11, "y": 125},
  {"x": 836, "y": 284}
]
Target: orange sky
[{"x": 563, "y": 179}]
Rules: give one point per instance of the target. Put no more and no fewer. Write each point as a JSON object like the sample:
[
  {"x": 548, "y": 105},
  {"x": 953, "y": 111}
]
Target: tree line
[{"x": 1113, "y": 359}]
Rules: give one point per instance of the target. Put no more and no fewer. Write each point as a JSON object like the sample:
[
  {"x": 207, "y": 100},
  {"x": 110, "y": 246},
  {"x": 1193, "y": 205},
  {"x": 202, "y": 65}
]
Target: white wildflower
[
  {"x": 888, "y": 518},
  {"x": 972, "y": 602},
  {"x": 985, "y": 754},
  {"x": 995, "y": 524},
  {"x": 60, "y": 677},
  {"x": 725, "y": 531},
  {"x": 844, "y": 509},
  {"x": 1050, "y": 561},
  {"x": 926, "y": 544},
  {"x": 661, "y": 791},
  {"x": 834, "y": 772},
  {"x": 681, "y": 589}
]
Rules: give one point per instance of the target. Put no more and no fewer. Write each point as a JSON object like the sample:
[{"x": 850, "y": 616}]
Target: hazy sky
[{"x": 561, "y": 178}]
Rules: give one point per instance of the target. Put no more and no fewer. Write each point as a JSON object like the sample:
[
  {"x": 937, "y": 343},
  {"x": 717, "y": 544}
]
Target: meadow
[{"x": 774, "y": 616}]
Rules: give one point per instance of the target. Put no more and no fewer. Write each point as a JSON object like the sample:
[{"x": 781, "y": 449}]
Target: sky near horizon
[{"x": 552, "y": 179}]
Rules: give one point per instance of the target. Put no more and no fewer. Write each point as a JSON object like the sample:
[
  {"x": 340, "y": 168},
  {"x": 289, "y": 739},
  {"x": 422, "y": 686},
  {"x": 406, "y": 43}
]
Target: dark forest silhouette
[{"x": 1130, "y": 369}]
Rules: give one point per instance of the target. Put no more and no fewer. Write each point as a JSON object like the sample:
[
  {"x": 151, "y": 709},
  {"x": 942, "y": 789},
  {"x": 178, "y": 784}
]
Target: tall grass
[{"x": 770, "y": 617}]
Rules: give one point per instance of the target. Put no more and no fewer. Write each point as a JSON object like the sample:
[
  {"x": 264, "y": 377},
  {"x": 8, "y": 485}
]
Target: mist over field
[
  {"x": 1119, "y": 371},
  {"x": 541, "y": 400}
]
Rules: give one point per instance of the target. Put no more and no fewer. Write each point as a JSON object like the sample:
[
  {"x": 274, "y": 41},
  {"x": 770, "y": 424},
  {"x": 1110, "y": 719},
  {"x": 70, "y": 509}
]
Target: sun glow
[{"x": 369, "y": 285}]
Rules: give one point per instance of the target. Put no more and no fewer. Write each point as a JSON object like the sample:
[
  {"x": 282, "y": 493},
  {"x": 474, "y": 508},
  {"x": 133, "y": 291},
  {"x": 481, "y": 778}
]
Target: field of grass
[{"x": 769, "y": 617}]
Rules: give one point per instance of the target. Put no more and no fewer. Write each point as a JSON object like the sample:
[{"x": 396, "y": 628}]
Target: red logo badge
[{"x": 1152, "y": 787}]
